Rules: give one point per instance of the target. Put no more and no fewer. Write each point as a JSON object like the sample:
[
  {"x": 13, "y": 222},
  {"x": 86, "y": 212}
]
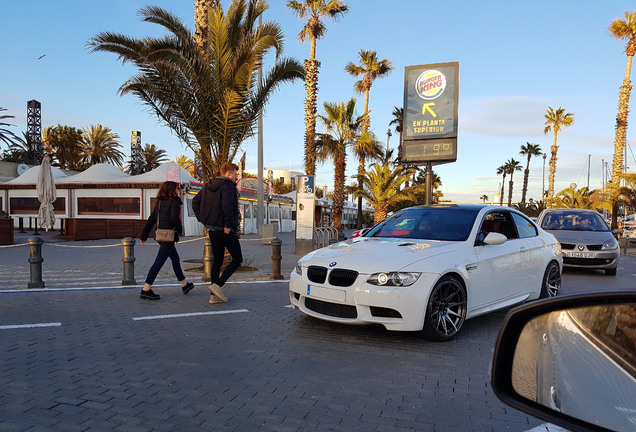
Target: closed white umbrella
[{"x": 46, "y": 194}]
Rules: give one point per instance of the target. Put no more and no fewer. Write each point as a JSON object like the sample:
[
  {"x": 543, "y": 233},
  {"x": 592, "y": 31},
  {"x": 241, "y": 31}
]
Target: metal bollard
[
  {"x": 276, "y": 258},
  {"x": 129, "y": 261},
  {"x": 35, "y": 259},
  {"x": 208, "y": 258}
]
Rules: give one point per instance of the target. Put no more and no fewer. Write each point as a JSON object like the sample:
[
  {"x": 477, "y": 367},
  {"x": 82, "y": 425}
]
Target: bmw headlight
[
  {"x": 610, "y": 245},
  {"x": 299, "y": 267},
  {"x": 393, "y": 278}
]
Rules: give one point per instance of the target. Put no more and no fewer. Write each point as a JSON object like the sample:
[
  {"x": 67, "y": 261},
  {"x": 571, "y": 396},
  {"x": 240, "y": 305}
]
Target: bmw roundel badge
[{"x": 332, "y": 264}]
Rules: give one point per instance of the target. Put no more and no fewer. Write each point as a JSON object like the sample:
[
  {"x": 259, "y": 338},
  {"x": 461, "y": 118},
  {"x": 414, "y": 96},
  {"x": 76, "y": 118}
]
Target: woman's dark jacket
[
  {"x": 216, "y": 205},
  {"x": 169, "y": 215}
]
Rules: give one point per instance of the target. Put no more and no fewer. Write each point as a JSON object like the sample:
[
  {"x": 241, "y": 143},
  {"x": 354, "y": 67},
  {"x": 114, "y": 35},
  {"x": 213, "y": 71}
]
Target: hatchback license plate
[{"x": 580, "y": 255}]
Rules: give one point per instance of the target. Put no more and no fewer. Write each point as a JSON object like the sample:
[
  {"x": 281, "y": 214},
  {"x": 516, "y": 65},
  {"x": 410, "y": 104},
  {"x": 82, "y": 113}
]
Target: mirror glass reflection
[{"x": 581, "y": 362}]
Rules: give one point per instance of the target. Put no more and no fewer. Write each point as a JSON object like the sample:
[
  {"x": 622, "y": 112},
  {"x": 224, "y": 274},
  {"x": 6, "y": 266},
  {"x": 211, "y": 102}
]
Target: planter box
[{"x": 6, "y": 231}]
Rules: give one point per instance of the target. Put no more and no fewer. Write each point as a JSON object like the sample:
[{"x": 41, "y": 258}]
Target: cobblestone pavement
[
  {"x": 94, "y": 263},
  {"x": 104, "y": 360}
]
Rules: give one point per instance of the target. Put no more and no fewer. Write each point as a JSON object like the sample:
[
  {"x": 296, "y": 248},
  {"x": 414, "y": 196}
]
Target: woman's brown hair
[{"x": 167, "y": 190}]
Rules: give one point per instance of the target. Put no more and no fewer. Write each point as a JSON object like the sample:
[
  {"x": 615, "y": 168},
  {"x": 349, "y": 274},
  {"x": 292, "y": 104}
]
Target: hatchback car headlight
[
  {"x": 393, "y": 278},
  {"x": 610, "y": 245}
]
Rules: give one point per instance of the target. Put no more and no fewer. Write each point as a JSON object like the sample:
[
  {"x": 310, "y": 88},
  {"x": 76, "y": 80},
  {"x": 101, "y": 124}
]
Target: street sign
[{"x": 430, "y": 113}]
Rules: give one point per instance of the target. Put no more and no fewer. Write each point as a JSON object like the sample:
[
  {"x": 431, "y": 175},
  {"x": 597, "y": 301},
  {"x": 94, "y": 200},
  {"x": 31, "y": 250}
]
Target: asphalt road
[{"x": 107, "y": 361}]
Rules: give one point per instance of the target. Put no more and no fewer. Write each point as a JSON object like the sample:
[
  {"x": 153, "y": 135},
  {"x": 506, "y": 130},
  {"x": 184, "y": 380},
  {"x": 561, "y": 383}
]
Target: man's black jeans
[{"x": 221, "y": 241}]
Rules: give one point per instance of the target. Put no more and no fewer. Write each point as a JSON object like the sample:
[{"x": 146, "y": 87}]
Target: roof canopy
[
  {"x": 31, "y": 176},
  {"x": 108, "y": 174}
]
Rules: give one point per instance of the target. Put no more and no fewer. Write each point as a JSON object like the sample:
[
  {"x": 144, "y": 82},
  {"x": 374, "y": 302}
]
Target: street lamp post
[
  {"x": 388, "y": 135},
  {"x": 543, "y": 177}
]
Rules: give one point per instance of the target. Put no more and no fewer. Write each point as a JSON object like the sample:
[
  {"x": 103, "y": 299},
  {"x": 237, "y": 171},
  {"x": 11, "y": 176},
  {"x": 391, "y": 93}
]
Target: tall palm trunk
[
  {"x": 365, "y": 127},
  {"x": 510, "y": 191},
  {"x": 311, "y": 90},
  {"x": 526, "y": 174},
  {"x": 621, "y": 124},
  {"x": 339, "y": 192},
  {"x": 503, "y": 185},
  {"x": 552, "y": 170},
  {"x": 202, "y": 23}
]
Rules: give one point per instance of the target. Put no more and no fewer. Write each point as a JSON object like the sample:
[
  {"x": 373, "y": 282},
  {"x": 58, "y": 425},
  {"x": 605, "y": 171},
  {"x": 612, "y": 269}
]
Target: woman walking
[{"x": 167, "y": 215}]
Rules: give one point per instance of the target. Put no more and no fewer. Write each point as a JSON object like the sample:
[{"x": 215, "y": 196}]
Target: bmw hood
[{"x": 371, "y": 255}]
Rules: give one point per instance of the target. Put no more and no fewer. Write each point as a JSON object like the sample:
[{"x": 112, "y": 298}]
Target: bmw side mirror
[{"x": 571, "y": 361}]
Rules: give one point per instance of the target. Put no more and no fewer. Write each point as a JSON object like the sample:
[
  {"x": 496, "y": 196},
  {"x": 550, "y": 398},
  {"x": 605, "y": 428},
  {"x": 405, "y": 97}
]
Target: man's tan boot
[{"x": 218, "y": 292}]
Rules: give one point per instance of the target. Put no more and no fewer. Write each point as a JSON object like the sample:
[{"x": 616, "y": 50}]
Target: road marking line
[
  {"x": 20, "y": 326},
  {"x": 152, "y": 317}
]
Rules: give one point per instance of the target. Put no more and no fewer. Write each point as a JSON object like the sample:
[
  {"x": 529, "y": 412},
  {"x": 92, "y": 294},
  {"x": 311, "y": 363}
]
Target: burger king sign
[{"x": 430, "y": 84}]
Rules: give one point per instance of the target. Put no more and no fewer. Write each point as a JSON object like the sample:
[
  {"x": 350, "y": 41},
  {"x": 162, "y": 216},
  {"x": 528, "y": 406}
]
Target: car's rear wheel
[
  {"x": 610, "y": 272},
  {"x": 551, "y": 281},
  {"x": 446, "y": 310}
]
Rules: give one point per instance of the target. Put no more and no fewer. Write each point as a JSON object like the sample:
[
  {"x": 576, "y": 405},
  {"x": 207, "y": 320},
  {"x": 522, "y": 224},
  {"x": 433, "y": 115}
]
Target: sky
[{"x": 516, "y": 59}]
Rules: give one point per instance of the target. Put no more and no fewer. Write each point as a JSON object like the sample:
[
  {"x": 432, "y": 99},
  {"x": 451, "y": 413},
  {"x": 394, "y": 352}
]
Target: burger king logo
[{"x": 430, "y": 84}]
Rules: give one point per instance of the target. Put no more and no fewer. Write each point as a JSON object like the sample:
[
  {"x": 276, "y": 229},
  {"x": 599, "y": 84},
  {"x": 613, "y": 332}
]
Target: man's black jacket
[{"x": 216, "y": 205}]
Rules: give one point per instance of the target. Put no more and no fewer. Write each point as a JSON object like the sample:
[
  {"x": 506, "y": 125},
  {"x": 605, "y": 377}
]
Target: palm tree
[
  {"x": 623, "y": 29},
  {"x": 7, "y": 136},
  {"x": 186, "y": 163},
  {"x": 484, "y": 198},
  {"x": 342, "y": 130},
  {"x": 528, "y": 150},
  {"x": 64, "y": 144},
  {"x": 369, "y": 68},
  {"x": 511, "y": 166},
  {"x": 555, "y": 121},
  {"x": 501, "y": 170},
  {"x": 572, "y": 198},
  {"x": 20, "y": 151},
  {"x": 153, "y": 157},
  {"x": 382, "y": 188},
  {"x": 100, "y": 145},
  {"x": 211, "y": 102},
  {"x": 313, "y": 30}
]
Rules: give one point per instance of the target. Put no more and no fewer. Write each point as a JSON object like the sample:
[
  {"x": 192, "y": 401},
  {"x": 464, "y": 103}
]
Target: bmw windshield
[{"x": 428, "y": 223}]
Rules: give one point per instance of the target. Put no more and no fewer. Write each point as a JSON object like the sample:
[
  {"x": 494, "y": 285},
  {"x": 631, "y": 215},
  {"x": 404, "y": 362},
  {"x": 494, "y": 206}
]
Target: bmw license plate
[{"x": 579, "y": 255}]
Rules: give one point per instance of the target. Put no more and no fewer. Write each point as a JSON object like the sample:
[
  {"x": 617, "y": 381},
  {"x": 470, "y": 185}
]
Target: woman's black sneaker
[
  {"x": 149, "y": 295},
  {"x": 187, "y": 288}
]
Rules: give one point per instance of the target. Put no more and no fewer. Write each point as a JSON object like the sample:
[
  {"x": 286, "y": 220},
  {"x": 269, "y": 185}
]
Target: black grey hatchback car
[{"x": 586, "y": 239}]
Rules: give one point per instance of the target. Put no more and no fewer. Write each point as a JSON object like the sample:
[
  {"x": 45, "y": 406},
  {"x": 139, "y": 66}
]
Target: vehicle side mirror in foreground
[{"x": 571, "y": 361}]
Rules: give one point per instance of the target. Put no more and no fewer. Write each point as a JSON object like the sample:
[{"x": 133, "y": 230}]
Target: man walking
[{"x": 216, "y": 207}]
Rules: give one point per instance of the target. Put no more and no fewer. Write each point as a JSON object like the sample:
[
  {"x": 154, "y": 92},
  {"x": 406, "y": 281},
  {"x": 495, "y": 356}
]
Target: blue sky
[{"x": 516, "y": 58}]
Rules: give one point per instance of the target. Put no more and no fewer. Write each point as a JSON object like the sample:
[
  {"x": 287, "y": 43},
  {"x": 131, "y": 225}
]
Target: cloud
[{"x": 502, "y": 116}]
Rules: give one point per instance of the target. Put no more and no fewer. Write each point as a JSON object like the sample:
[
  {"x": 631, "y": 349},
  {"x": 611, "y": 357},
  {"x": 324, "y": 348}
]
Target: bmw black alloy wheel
[
  {"x": 446, "y": 310},
  {"x": 551, "y": 281}
]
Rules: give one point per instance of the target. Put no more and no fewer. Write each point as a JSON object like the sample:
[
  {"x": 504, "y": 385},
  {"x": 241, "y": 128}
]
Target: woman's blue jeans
[{"x": 166, "y": 250}]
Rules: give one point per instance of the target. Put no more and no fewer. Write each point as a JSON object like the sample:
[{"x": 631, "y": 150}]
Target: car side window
[
  {"x": 525, "y": 227},
  {"x": 500, "y": 222}
]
